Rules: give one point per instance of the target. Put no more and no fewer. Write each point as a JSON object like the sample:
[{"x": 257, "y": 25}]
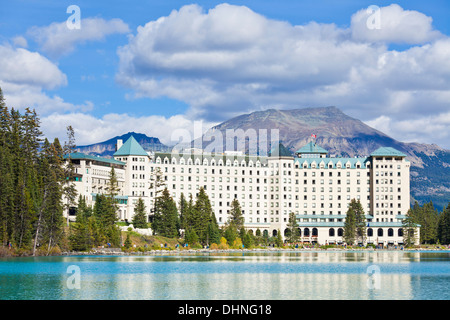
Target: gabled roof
[
  {"x": 79, "y": 156},
  {"x": 387, "y": 151},
  {"x": 312, "y": 148},
  {"x": 131, "y": 148}
]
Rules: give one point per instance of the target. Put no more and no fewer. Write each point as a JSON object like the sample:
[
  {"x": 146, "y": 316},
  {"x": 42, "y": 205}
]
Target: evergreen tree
[
  {"x": 235, "y": 219},
  {"x": 350, "y": 226},
  {"x": 230, "y": 234},
  {"x": 165, "y": 221},
  {"x": 190, "y": 237},
  {"x": 409, "y": 229},
  {"x": 183, "y": 205},
  {"x": 203, "y": 216},
  {"x": 360, "y": 220},
  {"x": 293, "y": 233},
  {"x": 127, "y": 243},
  {"x": 157, "y": 185},
  {"x": 70, "y": 193},
  {"x": 278, "y": 239},
  {"x": 140, "y": 215},
  {"x": 444, "y": 226}
]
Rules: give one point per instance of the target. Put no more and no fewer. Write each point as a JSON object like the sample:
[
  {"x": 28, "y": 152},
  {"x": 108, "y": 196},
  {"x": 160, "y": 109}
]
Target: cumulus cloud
[
  {"x": 57, "y": 39},
  {"x": 206, "y": 59},
  {"x": 415, "y": 130},
  {"x": 24, "y": 78},
  {"x": 90, "y": 129},
  {"x": 231, "y": 60},
  {"x": 392, "y": 24},
  {"x": 20, "y": 66}
]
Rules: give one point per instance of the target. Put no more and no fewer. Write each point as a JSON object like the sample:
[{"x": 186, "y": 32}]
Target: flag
[{"x": 313, "y": 136}]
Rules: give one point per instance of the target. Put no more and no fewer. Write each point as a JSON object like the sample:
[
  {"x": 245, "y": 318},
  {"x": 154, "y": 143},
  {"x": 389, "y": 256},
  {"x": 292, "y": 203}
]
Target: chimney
[{"x": 119, "y": 144}]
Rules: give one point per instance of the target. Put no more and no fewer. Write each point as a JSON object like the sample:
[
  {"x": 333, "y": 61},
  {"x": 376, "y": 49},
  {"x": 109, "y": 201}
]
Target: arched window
[
  {"x": 331, "y": 232},
  {"x": 315, "y": 232},
  {"x": 306, "y": 232},
  {"x": 380, "y": 232},
  {"x": 266, "y": 233},
  {"x": 274, "y": 233},
  {"x": 390, "y": 232},
  {"x": 370, "y": 232},
  {"x": 400, "y": 232},
  {"x": 299, "y": 232}
]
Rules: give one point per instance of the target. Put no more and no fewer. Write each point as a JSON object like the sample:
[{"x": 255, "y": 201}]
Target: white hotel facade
[{"x": 315, "y": 187}]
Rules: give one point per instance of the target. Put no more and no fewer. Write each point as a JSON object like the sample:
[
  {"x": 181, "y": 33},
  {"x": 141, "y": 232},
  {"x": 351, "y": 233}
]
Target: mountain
[
  {"x": 344, "y": 136},
  {"x": 108, "y": 147}
]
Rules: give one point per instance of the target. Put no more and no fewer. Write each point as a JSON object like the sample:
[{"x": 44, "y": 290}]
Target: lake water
[{"x": 355, "y": 275}]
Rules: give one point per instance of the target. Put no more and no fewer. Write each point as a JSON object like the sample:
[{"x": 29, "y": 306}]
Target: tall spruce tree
[
  {"x": 350, "y": 226},
  {"x": 69, "y": 190},
  {"x": 140, "y": 215},
  {"x": 203, "y": 215},
  {"x": 444, "y": 226},
  {"x": 166, "y": 220},
  {"x": 293, "y": 233},
  {"x": 409, "y": 229}
]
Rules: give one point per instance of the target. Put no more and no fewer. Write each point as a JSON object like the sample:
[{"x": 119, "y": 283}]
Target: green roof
[
  {"x": 131, "y": 148},
  {"x": 333, "y": 162},
  {"x": 312, "y": 148},
  {"x": 387, "y": 151},
  {"x": 79, "y": 156}
]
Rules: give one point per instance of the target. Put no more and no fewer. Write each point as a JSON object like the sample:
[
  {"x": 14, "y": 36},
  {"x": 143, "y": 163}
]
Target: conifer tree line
[
  {"x": 32, "y": 181},
  {"x": 434, "y": 225}
]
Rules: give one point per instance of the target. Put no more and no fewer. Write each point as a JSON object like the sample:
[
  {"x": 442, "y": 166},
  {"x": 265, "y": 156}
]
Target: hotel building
[{"x": 317, "y": 188}]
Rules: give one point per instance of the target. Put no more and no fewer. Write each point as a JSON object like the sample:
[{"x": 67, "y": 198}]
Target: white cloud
[
  {"x": 416, "y": 130},
  {"x": 24, "y": 77},
  {"x": 22, "y": 67},
  {"x": 393, "y": 24},
  {"x": 90, "y": 129},
  {"x": 231, "y": 60},
  {"x": 57, "y": 39}
]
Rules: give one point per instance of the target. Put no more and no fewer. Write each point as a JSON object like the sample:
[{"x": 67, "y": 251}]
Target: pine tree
[
  {"x": 203, "y": 215},
  {"x": 235, "y": 219},
  {"x": 165, "y": 221},
  {"x": 360, "y": 220},
  {"x": 294, "y": 233},
  {"x": 182, "y": 207},
  {"x": 109, "y": 216},
  {"x": 140, "y": 215},
  {"x": 444, "y": 226},
  {"x": 350, "y": 226},
  {"x": 157, "y": 185},
  {"x": 70, "y": 192},
  {"x": 409, "y": 229}
]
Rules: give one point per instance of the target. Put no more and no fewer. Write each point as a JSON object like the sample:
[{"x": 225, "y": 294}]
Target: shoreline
[
  {"x": 102, "y": 252},
  {"x": 120, "y": 252}
]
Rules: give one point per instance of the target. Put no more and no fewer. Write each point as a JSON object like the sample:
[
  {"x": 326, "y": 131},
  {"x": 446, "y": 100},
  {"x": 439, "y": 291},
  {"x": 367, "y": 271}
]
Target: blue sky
[{"x": 158, "y": 66}]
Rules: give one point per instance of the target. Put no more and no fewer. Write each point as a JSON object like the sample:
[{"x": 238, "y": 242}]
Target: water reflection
[{"x": 285, "y": 276}]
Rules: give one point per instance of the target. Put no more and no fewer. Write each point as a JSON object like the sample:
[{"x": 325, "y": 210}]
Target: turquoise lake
[{"x": 385, "y": 275}]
